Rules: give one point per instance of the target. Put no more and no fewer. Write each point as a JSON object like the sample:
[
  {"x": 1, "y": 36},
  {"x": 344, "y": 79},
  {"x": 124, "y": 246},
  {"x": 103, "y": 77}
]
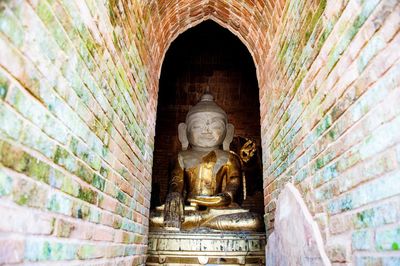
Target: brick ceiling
[{"x": 253, "y": 21}]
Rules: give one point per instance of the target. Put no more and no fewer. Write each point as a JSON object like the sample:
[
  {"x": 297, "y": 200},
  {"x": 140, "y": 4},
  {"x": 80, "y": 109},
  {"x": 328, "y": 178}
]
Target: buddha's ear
[
  {"x": 182, "y": 135},
  {"x": 229, "y": 137}
]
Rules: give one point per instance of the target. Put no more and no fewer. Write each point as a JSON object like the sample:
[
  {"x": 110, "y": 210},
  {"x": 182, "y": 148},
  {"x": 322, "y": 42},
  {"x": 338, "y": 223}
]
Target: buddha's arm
[
  {"x": 177, "y": 180},
  {"x": 234, "y": 175},
  {"x": 174, "y": 208}
]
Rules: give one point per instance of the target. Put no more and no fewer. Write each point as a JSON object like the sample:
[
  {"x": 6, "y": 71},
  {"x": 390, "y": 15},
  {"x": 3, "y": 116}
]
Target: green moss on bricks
[
  {"x": 318, "y": 13},
  {"x": 104, "y": 171},
  {"x": 65, "y": 159},
  {"x": 365, "y": 218},
  {"x": 11, "y": 27},
  {"x": 60, "y": 204},
  {"x": 121, "y": 197},
  {"x": 44, "y": 12},
  {"x": 74, "y": 145},
  {"x": 332, "y": 134},
  {"x": 86, "y": 251},
  {"x": 119, "y": 210},
  {"x": 13, "y": 157},
  {"x": 367, "y": 8},
  {"x": 84, "y": 173},
  {"x": 104, "y": 151},
  {"x": 117, "y": 223},
  {"x": 4, "y": 84},
  {"x": 70, "y": 186},
  {"x": 388, "y": 239},
  {"x": 43, "y": 250},
  {"x": 98, "y": 182},
  {"x": 84, "y": 153},
  {"x": 324, "y": 125},
  {"x": 27, "y": 193},
  {"x": 283, "y": 50},
  {"x": 298, "y": 81},
  {"x": 20, "y": 161},
  {"x": 39, "y": 170},
  {"x": 80, "y": 210},
  {"x": 88, "y": 195},
  {"x": 91, "y": 46}
]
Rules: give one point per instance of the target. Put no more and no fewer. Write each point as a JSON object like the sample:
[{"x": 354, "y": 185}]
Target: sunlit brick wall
[
  {"x": 330, "y": 122},
  {"x": 76, "y": 130}
]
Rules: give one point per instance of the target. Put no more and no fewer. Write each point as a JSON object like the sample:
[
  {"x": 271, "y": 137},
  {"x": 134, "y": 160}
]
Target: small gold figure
[{"x": 205, "y": 176}]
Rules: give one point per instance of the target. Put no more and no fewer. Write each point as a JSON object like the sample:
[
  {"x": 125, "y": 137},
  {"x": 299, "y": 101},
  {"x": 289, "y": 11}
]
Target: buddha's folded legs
[{"x": 232, "y": 220}]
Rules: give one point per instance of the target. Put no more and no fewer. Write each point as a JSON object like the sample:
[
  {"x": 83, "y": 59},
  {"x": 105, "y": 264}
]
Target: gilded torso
[{"x": 207, "y": 173}]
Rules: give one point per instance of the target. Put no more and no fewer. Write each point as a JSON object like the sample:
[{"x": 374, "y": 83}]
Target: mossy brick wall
[
  {"x": 78, "y": 92},
  {"x": 330, "y": 123},
  {"x": 76, "y": 133}
]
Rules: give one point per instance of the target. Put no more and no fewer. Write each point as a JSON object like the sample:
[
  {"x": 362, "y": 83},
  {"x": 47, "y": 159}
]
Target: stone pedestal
[{"x": 187, "y": 248}]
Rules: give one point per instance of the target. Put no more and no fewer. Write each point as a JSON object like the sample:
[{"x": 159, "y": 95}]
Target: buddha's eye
[{"x": 217, "y": 125}]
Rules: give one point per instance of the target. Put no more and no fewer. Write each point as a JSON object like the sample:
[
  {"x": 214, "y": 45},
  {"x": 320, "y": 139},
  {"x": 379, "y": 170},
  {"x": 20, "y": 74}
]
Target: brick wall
[
  {"x": 330, "y": 115},
  {"x": 76, "y": 133}
]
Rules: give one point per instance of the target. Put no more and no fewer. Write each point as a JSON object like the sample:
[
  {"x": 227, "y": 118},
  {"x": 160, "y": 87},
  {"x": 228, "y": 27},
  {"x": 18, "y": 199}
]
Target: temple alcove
[{"x": 206, "y": 58}]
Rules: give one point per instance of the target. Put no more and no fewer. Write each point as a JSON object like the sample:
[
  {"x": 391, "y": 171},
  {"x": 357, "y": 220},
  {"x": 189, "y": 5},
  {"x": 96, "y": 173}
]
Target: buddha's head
[{"x": 206, "y": 126}]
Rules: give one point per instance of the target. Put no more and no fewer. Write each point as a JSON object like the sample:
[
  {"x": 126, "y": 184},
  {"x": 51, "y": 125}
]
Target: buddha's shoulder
[
  {"x": 190, "y": 154},
  {"x": 185, "y": 154},
  {"x": 220, "y": 155},
  {"x": 229, "y": 155}
]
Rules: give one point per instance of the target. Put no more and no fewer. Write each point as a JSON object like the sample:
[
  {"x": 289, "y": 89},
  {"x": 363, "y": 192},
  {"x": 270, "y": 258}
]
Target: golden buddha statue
[{"x": 205, "y": 177}]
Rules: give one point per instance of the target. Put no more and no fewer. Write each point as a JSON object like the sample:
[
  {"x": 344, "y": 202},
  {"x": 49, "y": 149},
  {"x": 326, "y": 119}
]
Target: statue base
[{"x": 206, "y": 248}]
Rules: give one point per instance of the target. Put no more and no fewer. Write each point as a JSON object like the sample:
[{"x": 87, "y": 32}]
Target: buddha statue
[{"x": 206, "y": 179}]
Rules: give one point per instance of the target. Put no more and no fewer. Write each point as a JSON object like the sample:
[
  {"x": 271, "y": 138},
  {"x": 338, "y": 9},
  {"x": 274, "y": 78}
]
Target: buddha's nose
[{"x": 206, "y": 127}]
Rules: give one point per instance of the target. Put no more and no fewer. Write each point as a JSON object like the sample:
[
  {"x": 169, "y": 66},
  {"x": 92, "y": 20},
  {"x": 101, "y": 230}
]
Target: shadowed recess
[{"x": 206, "y": 58}]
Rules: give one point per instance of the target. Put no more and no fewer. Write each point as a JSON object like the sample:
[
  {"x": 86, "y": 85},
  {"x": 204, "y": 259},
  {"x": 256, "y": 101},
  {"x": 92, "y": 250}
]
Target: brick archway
[{"x": 253, "y": 23}]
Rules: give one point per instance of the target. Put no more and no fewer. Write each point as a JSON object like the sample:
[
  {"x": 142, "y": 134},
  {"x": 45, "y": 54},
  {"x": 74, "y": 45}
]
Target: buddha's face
[{"x": 206, "y": 129}]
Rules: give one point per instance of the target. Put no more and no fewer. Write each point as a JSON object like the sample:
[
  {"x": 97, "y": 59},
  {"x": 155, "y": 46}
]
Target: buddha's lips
[{"x": 207, "y": 136}]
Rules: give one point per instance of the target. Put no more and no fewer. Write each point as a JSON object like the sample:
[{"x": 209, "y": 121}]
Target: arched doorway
[{"x": 207, "y": 58}]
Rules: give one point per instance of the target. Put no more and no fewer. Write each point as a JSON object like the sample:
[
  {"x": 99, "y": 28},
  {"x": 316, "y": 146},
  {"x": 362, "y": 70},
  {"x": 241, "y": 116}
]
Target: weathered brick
[
  {"x": 388, "y": 239},
  {"x": 385, "y": 213},
  {"x": 338, "y": 252},
  {"x": 6, "y": 183},
  {"x": 28, "y": 193},
  {"x": 63, "y": 228},
  {"x": 37, "y": 249},
  {"x": 373, "y": 191},
  {"x": 87, "y": 251},
  {"x": 59, "y": 203},
  {"x": 11, "y": 251},
  {"x": 361, "y": 240}
]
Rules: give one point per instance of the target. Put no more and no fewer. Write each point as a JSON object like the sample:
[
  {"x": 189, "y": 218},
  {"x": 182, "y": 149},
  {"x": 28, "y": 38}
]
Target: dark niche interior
[{"x": 207, "y": 58}]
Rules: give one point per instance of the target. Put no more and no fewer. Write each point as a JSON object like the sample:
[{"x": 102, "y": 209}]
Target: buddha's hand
[
  {"x": 174, "y": 210},
  {"x": 221, "y": 199}
]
